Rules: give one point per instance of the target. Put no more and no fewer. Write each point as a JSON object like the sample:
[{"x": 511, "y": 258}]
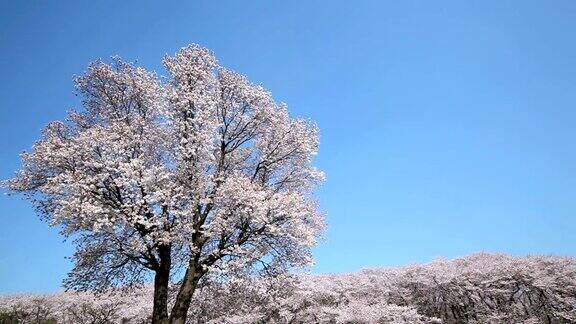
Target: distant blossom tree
[
  {"x": 198, "y": 174},
  {"x": 480, "y": 288}
]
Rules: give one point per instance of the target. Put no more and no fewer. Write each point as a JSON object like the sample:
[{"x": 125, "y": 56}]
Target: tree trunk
[
  {"x": 184, "y": 298},
  {"x": 161, "y": 281}
]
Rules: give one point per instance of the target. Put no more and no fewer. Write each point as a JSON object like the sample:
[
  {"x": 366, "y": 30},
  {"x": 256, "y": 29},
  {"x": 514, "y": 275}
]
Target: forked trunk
[{"x": 184, "y": 298}]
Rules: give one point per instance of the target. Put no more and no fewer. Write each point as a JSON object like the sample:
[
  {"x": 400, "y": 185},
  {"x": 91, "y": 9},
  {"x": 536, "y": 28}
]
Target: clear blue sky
[{"x": 447, "y": 127}]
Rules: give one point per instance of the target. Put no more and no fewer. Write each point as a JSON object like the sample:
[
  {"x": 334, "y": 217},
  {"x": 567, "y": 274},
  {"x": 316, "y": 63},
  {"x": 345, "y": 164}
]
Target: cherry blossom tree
[{"x": 197, "y": 174}]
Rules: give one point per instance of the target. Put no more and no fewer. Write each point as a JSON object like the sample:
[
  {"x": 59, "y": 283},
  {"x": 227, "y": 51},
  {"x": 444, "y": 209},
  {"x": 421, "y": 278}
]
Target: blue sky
[{"x": 447, "y": 127}]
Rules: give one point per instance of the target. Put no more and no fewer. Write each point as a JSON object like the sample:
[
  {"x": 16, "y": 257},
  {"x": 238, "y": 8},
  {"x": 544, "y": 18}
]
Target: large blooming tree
[{"x": 180, "y": 178}]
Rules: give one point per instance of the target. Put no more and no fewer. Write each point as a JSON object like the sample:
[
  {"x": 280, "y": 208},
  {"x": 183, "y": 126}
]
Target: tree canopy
[{"x": 201, "y": 172}]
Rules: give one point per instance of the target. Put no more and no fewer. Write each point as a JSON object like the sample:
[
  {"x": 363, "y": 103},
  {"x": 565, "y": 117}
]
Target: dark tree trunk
[
  {"x": 184, "y": 298},
  {"x": 161, "y": 281}
]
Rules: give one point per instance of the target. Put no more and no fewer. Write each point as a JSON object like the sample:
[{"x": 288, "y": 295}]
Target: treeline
[{"x": 481, "y": 288}]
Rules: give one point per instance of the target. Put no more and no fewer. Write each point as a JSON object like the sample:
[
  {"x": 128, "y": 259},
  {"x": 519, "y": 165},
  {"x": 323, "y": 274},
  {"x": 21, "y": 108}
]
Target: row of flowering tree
[
  {"x": 481, "y": 288},
  {"x": 173, "y": 180}
]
